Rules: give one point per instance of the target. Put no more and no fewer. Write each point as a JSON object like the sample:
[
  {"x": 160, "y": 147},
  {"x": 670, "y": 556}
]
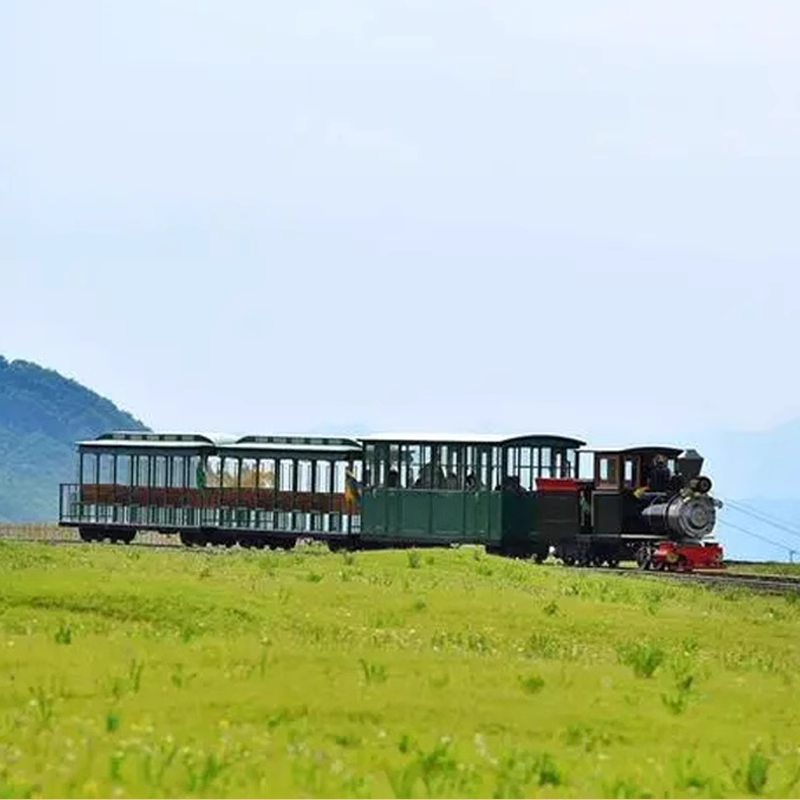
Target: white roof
[{"x": 472, "y": 438}]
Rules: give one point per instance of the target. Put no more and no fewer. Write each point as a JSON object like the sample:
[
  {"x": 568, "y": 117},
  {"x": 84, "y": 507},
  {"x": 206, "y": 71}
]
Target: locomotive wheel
[
  {"x": 643, "y": 558},
  {"x": 540, "y": 555},
  {"x": 613, "y": 563},
  {"x": 286, "y": 544},
  {"x": 87, "y": 534}
]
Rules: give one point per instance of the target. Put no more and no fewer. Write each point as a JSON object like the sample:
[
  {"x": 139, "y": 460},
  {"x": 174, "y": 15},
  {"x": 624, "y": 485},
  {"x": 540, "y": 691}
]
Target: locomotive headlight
[{"x": 701, "y": 484}]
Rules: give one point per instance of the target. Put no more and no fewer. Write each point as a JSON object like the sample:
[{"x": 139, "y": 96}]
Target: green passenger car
[{"x": 424, "y": 489}]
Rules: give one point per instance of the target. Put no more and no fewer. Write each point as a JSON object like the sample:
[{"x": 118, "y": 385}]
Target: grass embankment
[
  {"x": 767, "y": 568},
  {"x": 131, "y": 672}
]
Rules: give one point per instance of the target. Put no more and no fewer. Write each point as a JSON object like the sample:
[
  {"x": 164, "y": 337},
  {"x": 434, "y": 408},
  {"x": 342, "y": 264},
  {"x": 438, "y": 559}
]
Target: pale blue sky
[{"x": 252, "y": 216}]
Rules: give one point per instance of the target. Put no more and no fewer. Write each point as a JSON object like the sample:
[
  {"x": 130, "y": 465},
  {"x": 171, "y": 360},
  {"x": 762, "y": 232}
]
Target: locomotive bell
[{"x": 689, "y": 464}]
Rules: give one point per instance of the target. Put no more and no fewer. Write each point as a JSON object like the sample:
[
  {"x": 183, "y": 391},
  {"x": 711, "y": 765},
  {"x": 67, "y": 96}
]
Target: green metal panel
[
  {"x": 432, "y": 515},
  {"x": 416, "y": 511},
  {"x": 482, "y": 517},
  {"x": 373, "y": 512},
  {"x": 519, "y": 514},
  {"x": 394, "y": 510},
  {"x": 447, "y": 516}
]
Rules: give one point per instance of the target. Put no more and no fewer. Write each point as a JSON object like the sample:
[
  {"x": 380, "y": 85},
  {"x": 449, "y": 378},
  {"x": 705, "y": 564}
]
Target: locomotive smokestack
[{"x": 689, "y": 464}]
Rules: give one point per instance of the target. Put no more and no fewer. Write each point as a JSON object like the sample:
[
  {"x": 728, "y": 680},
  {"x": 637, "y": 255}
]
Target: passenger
[
  {"x": 511, "y": 484},
  {"x": 471, "y": 483},
  {"x": 660, "y": 475},
  {"x": 586, "y": 510},
  {"x": 452, "y": 481},
  {"x": 430, "y": 478},
  {"x": 424, "y": 479},
  {"x": 393, "y": 479}
]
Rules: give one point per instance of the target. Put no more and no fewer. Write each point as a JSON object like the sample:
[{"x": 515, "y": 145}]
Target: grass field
[
  {"x": 136, "y": 672},
  {"x": 767, "y": 568}
]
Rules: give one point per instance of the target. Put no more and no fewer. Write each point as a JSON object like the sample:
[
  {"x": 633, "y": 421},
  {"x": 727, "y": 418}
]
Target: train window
[
  {"x": 402, "y": 466},
  {"x": 123, "y": 470},
  {"x": 304, "y": 476},
  {"x": 629, "y": 473},
  {"x": 338, "y": 476},
  {"x": 213, "y": 467},
  {"x": 569, "y": 464},
  {"x": 608, "y": 469},
  {"x": 142, "y": 471},
  {"x": 525, "y": 467},
  {"x": 423, "y": 471},
  {"x": 509, "y": 461},
  {"x": 230, "y": 472},
  {"x": 393, "y": 474},
  {"x": 545, "y": 459},
  {"x": 266, "y": 473},
  {"x": 106, "y": 468},
  {"x": 179, "y": 464},
  {"x": 286, "y": 475},
  {"x": 160, "y": 471},
  {"x": 380, "y": 469},
  {"x": 247, "y": 473},
  {"x": 456, "y": 468},
  {"x": 369, "y": 462},
  {"x": 194, "y": 479},
  {"x": 441, "y": 457},
  {"x": 89, "y": 468},
  {"x": 323, "y": 477},
  {"x": 495, "y": 467},
  {"x": 435, "y": 472},
  {"x": 484, "y": 467},
  {"x": 413, "y": 463},
  {"x": 585, "y": 466},
  {"x": 470, "y": 469}
]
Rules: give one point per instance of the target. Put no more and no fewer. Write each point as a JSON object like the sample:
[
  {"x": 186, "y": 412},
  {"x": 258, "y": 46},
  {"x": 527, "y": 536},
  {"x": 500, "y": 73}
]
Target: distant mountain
[{"x": 42, "y": 415}]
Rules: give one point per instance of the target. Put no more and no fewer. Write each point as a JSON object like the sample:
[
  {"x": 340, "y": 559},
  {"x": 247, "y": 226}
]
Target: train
[{"x": 523, "y": 495}]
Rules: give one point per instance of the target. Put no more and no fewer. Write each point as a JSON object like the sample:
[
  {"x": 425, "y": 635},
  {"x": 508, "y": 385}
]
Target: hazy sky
[{"x": 246, "y": 215}]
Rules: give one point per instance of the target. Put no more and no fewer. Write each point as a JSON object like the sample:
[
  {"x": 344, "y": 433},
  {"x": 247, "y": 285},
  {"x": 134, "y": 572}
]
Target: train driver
[{"x": 660, "y": 475}]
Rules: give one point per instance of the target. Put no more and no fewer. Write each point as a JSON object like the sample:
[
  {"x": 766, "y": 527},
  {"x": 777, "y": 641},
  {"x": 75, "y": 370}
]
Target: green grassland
[{"x": 144, "y": 672}]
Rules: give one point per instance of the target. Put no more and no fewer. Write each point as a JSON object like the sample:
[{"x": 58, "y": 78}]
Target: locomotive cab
[
  {"x": 652, "y": 490},
  {"x": 626, "y": 480}
]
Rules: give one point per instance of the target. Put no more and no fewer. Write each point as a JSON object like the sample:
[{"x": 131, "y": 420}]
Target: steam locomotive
[{"x": 662, "y": 517}]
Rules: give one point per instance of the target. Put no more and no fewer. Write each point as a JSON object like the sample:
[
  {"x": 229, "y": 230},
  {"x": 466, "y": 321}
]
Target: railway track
[{"x": 774, "y": 584}]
